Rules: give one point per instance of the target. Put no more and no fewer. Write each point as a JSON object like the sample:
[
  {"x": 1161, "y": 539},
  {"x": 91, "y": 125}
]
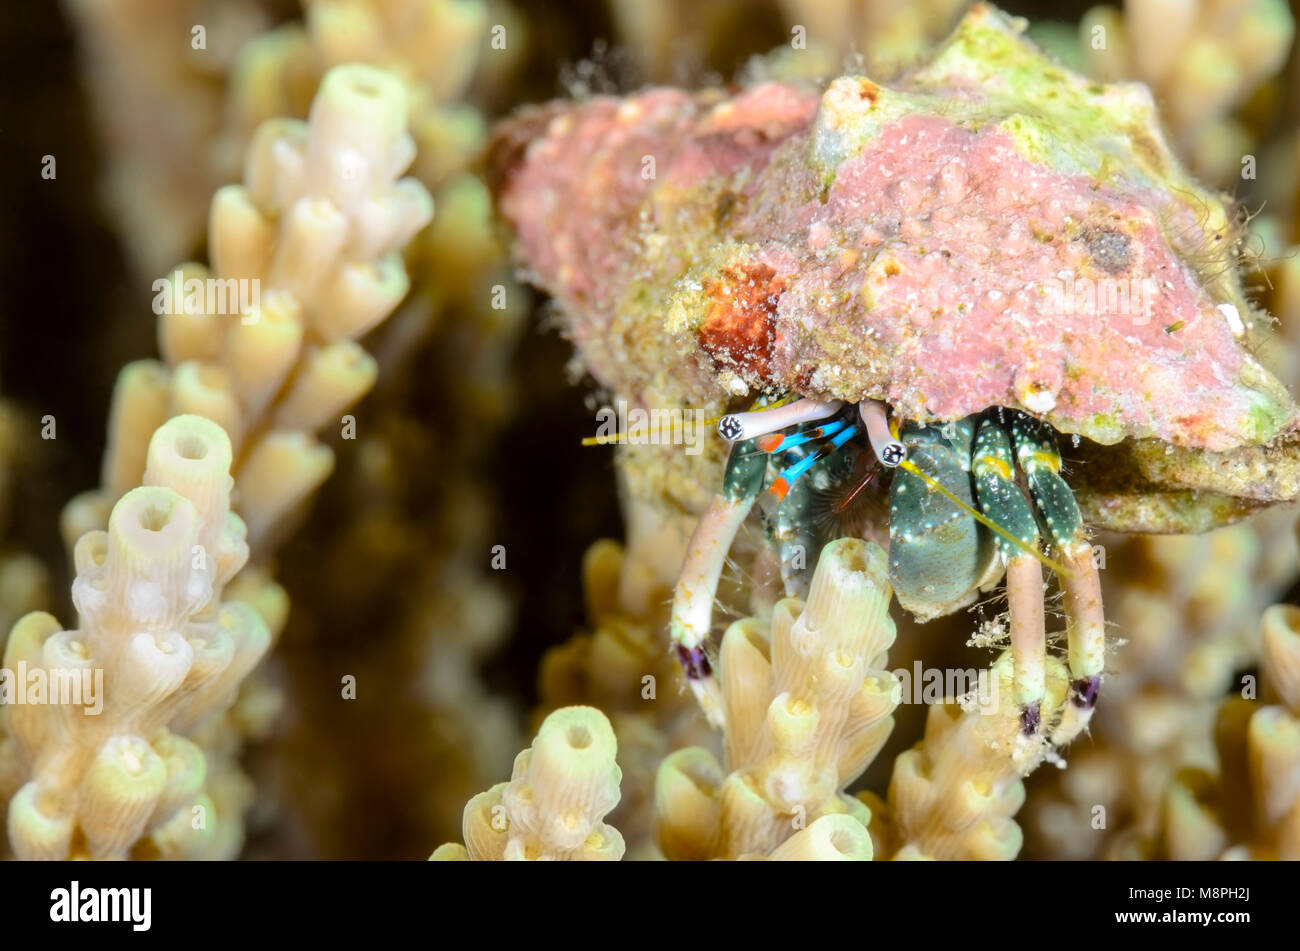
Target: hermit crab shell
[{"x": 991, "y": 230}]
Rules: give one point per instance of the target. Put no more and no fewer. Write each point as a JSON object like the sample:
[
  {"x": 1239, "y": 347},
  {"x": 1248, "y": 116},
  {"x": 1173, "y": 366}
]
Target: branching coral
[
  {"x": 1187, "y": 608},
  {"x": 1202, "y": 61},
  {"x": 108, "y": 770},
  {"x": 890, "y": 34},
  {"x": 314, "y": 239},
  {"x": 804, "y": 725},
  {"x": 553, "y": 808},
  {"x": 317, "y": 228},
  {"x": 807, "y": 711},
  {"x": 459, "y": 322},
  {"x": 398, "y": 546},
  {"x": 621, "y": 667},
  {"x": 1250, "y": 808},
  {"x": 433, "y": 46},
  {"x": 955, "y": 794},
  {"x": 155, "y": 73},
  {"x": 207, "y": 68}
]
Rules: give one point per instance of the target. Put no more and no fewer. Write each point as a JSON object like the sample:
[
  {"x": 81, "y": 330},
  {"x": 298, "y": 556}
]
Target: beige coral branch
[
  {"x": 890, "y": 34},
  {"x": 1251, "y": 807},
  {"x": 955, "y": 794},
  {"x": 1201, "y": 59},
  {"x": 315, "y": 236},
  {"x": 317, "y": 229},
  {"x": 108, "y": 771},
  {"x": 621, "y": 667},
  {"x": 1188, "y": 610},
  {"x": 464, "y": 294},
  {"x": 432, "y": 46},
  {"x": 808, "y": 709},
  {"x": 554, "y": 806},
  {"x": 154, "y": 72}
]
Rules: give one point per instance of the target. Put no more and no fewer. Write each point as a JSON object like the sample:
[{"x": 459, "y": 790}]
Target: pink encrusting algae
[{"x": 994, "y": 230}]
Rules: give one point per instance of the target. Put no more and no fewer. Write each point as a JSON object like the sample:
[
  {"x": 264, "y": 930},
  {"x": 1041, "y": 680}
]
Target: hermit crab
[
  {"x": 905, "y": 294},
  {"x": 957, "y": 520}
]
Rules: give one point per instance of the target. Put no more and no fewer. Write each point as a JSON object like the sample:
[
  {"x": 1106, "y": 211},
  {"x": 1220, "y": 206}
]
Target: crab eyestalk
[
  {"x": 888, "y": 448},
  {"x": 743, "y": 426}
]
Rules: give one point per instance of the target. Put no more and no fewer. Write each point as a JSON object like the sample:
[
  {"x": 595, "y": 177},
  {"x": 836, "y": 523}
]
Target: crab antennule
[
  {"x": 742, "y": 426},
  {"x": 697, "y": 585},
  {"x": 781, "y": 485},
  {"x": 851, "y": 496},
  {"x": 884, "y": 443}
]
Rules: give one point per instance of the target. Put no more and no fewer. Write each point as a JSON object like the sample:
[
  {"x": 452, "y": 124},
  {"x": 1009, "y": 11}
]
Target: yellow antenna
[
  {"x": 933, "y": 483},
  {"x": 617, "y": 440}
]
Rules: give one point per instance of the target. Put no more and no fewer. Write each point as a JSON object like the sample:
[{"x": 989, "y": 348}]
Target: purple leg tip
[
  {"x": 1083, "y": 692},
  {"x": 694, "y": 661},
  {"x": 1031, "y": 719}
]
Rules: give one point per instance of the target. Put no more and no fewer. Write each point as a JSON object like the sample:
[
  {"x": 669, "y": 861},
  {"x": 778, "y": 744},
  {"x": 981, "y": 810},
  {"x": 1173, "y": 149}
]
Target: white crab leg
[
  {"x": 1086, "y": 630},
  {"x": 738, "y": 426},
  {"x": 697, "y": 585},
  {"x": 1028, "y": 639}
]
